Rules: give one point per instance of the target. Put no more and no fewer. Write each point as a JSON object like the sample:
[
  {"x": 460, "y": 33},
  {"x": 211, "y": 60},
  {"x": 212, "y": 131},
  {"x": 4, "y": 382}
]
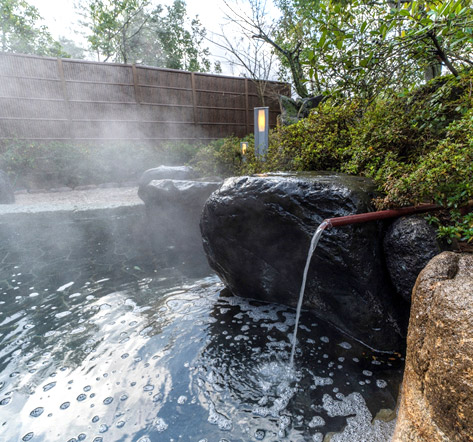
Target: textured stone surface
[
  {"x": 257, "y": 231},
  {"x": 173, "y": 209},
  {"x": 6, "y": 190},
  {"x": 410, "y": 243},
  {"x": 166, "y": 173},
  {"x": 436, "y": 403}
]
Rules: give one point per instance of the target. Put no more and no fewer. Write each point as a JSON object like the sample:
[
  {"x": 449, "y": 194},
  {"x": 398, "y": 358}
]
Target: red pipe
[{"x": 382, "y": 214}]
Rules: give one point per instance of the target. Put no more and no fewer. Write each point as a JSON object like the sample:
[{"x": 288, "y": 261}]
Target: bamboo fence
[{"x": 48, "y": 99}]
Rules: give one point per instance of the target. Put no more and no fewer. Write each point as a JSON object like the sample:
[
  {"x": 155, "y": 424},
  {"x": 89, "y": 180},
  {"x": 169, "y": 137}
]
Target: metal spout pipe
[{"x": 382, "y": 214}]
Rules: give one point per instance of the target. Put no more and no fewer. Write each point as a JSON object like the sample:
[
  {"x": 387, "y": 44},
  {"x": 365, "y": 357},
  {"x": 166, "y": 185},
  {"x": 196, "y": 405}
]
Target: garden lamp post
[
  {"x": 261, "y": 131},
  {"x": 244, "y": 149}
]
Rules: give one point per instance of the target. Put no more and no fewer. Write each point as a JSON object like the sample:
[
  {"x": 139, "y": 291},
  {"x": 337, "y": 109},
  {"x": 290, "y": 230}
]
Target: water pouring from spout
[{"x": 313, "y": 245}]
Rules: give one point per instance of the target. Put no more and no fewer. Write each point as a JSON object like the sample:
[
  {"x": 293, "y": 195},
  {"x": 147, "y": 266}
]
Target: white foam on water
[
  {"x": 216, "y": 418},
  {"x": 63, "y": 314},
  {"x": 361, "y": 423},
  {"x": 316, "y": 421}
]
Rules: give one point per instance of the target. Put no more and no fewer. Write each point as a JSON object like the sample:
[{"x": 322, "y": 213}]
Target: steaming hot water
[{"x": 136, "y": 354}]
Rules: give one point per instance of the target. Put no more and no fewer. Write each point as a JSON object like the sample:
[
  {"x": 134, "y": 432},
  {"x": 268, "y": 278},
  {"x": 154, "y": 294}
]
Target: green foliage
[
  {"x": 35, "y": 165},
  {"x": 133, "y": 31},
  {"x": 318, "y": 142},
  {"x": 21, "y": 33},
  {"x": 368, "y": 49},
  {"x": 417, "y": 146},
  {"x": 220, "y": 158}
]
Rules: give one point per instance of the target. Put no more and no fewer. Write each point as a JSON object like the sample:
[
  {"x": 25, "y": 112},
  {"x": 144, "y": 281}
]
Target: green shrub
[
  {"x": 318, "y": 142},
  {"x": 220, "y": 158}
]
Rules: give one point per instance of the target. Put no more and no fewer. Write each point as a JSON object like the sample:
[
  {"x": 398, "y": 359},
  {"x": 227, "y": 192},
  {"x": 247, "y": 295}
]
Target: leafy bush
[{"x": 418, "y": 147}]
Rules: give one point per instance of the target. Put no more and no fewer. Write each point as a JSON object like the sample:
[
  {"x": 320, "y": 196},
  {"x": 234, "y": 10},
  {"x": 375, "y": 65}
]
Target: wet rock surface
[
  {"x": 166, "y": 172},
  {"x": 410, "y": 243},
  {"x": 256, "y": 234},
  {"x": 6, "y": 190},
  {"x": 173, "y": 210},
  {"x": 438, "y": 379}
]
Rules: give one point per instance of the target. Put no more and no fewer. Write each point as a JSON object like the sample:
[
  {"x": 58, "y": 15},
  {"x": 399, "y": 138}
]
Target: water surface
[{"x": 136, "y": 354}]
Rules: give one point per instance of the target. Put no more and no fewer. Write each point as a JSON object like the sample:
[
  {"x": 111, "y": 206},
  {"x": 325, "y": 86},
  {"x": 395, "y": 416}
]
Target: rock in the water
[
  {"x": 6, "y": 190},
  {"x": 410, "y": 243},
  {"x": 437, "y": 392},
  {"x": 166, "y": 173},
  {"x": 173, "y": 209},
  {"x": 257, "y": 231}
]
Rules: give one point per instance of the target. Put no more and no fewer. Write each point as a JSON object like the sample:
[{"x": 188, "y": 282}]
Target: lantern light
[{"x": 261, "y": 117}]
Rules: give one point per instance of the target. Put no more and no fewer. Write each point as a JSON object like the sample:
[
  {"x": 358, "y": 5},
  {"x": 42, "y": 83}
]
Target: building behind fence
[{"x": 46, "y": 99}]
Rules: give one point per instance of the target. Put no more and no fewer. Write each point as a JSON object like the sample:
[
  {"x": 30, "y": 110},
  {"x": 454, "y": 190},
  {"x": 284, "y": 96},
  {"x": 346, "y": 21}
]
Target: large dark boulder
[
  {"x": 173, "y": 210},
  {"x": 6, "y": 190},
  {"x": 410, "y": 243},
  {"x": 256, "y": 234}
]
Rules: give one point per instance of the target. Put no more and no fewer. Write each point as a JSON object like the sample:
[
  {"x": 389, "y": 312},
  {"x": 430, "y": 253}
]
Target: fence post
[
  {"x": 194, "y": 103},
  {"x": 60, "y": 68},
  {"x": 135, "y": 84},
  {"x": 247, "y": 107},
  {"x": 136, "y": 90}
]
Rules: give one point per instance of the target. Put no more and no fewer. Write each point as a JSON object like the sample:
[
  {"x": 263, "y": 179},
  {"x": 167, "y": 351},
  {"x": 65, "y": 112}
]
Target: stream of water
[{"x": 313, "y": 245}]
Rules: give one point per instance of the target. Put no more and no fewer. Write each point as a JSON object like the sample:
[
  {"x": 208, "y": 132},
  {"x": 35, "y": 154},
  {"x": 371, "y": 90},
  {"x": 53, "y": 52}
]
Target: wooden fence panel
[{"x": 59, "y": 99}]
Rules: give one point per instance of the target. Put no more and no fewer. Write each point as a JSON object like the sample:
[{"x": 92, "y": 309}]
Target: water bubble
[
  {"x": 345, "y": 345},
  {"x": 64, "y": 405},
  {"x": 37, "y": 412},
  {"x": 108, "y": 400},
  {"x": 87, "y": 388},
  {"x": 49, "y": 386},
  {"x": 120, "y": 424},
  {"x": 325, "y": 339},
  {"x": 123, "y": 397},
  {"x": 144, "y": 439},
  {"x": 82, "y": 397},
  {"x": 5, "y": 401},
  {"x": 367, "y": 373},
  {"x": 95, "y": 419},
  {"x": 260, "y": 434},
  {"x": 124, "y": 355},
  {"x": 98, "y": 439},
  {"x": 27, "y": 437},
  {"x": 381, "y": 384},
  {"x": 182, "y": 400},
  {"x": 103, "y": 428},
  {"x": 148, "y": 387},
  {"x": 81, "y": 436}
]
